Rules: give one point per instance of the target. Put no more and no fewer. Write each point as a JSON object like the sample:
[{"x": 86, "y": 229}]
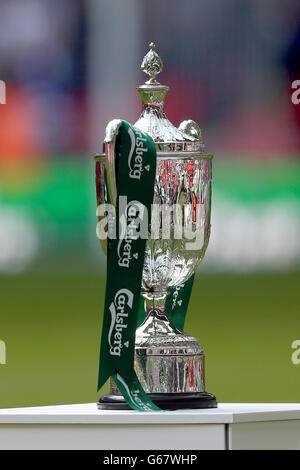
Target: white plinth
[{"x": 230, "y": 426}]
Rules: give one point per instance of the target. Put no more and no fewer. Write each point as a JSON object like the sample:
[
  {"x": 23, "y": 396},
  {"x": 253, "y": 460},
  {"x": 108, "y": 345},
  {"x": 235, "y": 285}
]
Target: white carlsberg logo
[
  {"x": 134, "y": 395},
  {"x": 137, "y": 144},
  {"x": 119, "y": 318},
  {"x": 133, "y": 225}
]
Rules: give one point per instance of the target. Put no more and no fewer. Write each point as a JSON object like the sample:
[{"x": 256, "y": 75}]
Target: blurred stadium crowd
[{"x": 71, "y": 66}]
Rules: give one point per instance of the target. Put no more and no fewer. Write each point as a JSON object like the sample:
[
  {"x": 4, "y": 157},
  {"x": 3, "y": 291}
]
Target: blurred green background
[
  {"x": 52, "y": 326},
  {"x": 51, "y": 307},
  {"x": 230, "y": 67}
]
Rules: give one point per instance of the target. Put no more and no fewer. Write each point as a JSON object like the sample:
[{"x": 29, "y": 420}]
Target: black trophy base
[{"x": 165, "y": 401}]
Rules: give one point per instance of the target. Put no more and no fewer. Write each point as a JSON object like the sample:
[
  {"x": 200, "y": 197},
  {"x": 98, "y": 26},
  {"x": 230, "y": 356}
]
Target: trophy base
[{"x": 165, "y": 401}]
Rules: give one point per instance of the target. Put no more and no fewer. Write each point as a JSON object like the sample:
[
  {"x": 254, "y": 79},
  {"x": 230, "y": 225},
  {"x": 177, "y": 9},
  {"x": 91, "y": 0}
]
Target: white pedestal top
[{"x": 88, "y": 413}]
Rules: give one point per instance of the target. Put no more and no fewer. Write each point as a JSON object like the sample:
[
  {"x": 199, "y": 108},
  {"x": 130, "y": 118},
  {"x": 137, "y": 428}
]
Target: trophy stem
[{"x": 156, "y": 321}]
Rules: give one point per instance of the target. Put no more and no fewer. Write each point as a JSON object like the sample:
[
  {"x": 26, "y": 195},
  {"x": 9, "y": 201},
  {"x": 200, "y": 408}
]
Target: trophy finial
[{"x": 152, "y": 64}]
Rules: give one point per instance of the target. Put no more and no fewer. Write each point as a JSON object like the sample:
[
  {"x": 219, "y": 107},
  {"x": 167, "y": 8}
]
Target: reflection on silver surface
[
  {"x": 185, "y": 184},
  {"x": 166, "y": 360}
]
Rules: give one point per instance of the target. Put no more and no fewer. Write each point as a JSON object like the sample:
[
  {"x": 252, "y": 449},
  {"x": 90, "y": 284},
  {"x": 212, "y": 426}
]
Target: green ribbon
[
  {"x": 135, "y": 163},
  {"x": 177, "y": 303}
]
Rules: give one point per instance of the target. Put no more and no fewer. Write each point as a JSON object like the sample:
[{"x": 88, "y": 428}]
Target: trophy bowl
[{"x": 168, "y": 363}]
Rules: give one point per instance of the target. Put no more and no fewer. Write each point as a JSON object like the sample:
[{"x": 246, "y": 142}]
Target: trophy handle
[
  {"x": 191, "y": 128},
  {"x": 106, "y": 175},
  {"x": 111, "y": 133}
]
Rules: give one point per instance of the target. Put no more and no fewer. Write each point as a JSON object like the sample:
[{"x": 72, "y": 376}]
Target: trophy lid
[{"x": 153, "y": 120}]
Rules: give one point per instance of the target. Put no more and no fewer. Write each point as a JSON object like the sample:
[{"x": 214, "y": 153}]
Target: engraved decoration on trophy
[
  {"x": 168, "y": 363},
  {"x": 152, "y": 64}
]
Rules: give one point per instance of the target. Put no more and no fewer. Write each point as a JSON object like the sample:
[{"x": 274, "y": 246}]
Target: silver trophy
[{"x": 169, "y": 363}]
